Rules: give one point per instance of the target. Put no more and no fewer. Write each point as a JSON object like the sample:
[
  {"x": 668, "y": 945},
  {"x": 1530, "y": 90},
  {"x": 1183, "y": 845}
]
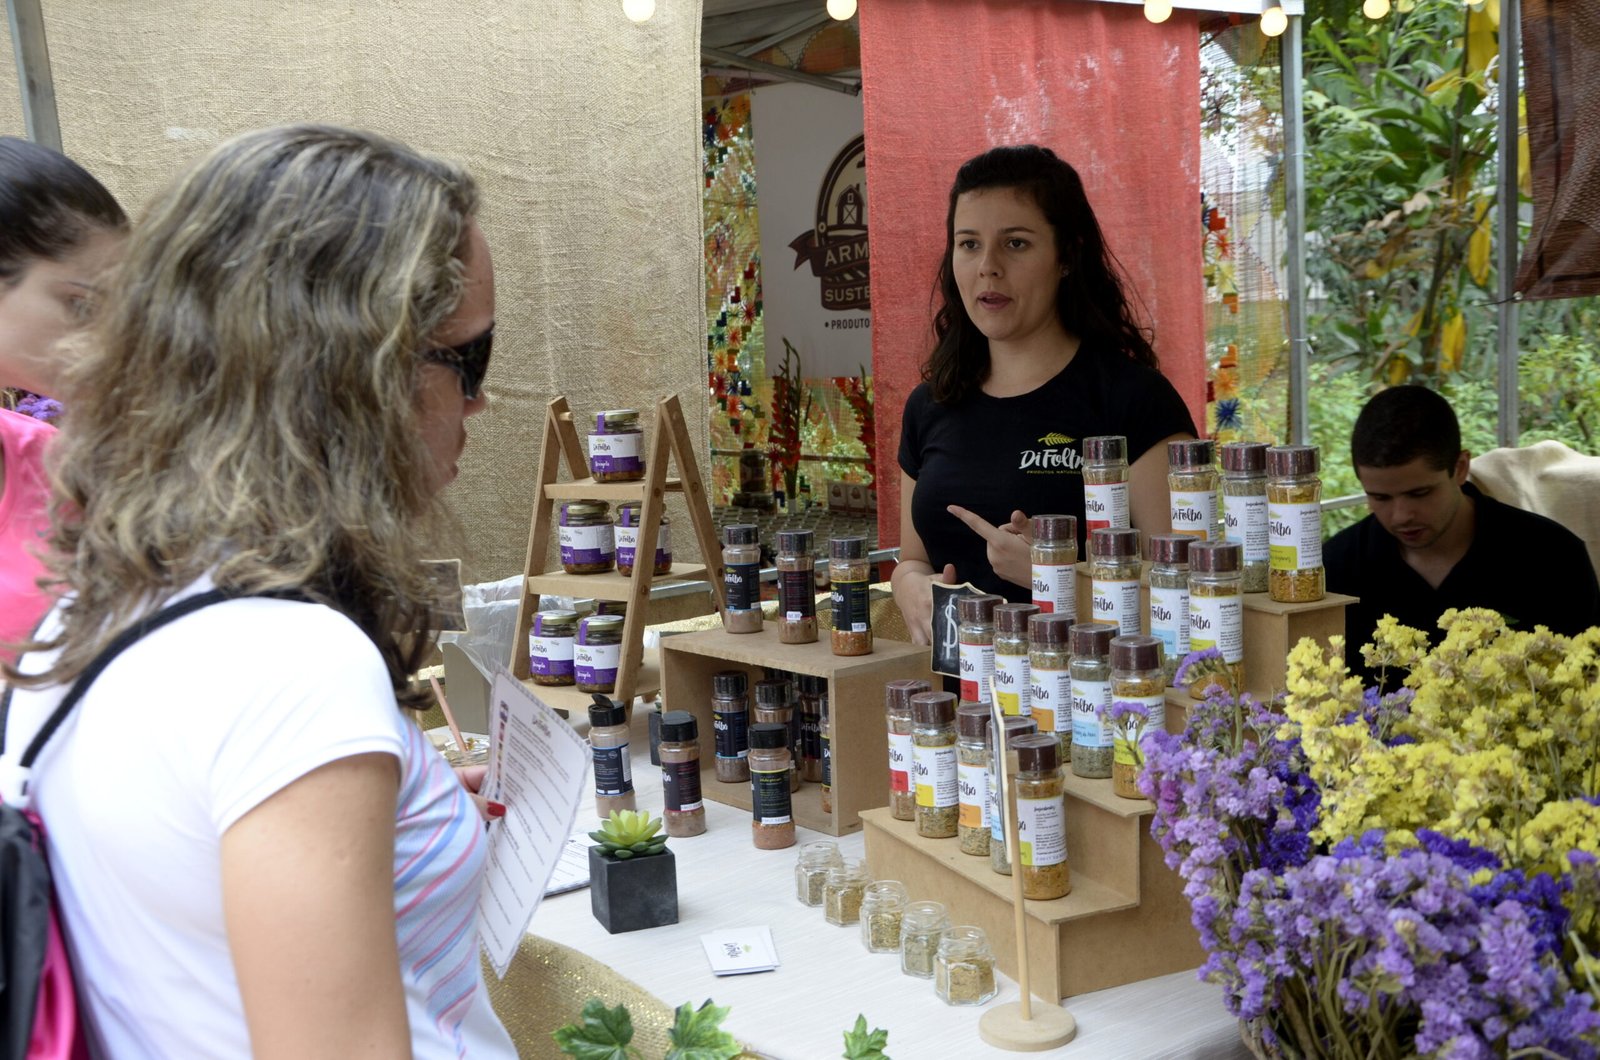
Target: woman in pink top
[{"x": 59, "y": 230}]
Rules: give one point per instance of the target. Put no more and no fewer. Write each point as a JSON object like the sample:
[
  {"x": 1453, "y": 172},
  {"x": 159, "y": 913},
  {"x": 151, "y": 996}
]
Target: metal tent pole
[
  {"x": 39, "y": 117},
  {"x": 1508, "y": 426},
  {"x": 1292, "y": 72}
]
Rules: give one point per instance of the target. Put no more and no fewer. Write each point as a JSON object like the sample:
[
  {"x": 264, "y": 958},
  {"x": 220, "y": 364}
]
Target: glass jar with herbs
[
  {"x": 963, "y": 969},
  {"x": 897, "y": 713},
  {"x": 1015, "y": 727},
  {"x": 1136, "y": 677},
  {"x": 771, "y": 812},
  {"x": 597, "y": 654},
  {"x": 627, "y": 540},
  {"x": 774, "y": 704},
  {"x": 1041, "y": 819},
  {"x": 813, "y": 694},
  {"x": 975, "y": 645},
  {"x": 550, "y": 645},
  {"x": 1054, "y": 557},
  {"x": 1105, "y": 484},
  {"x": 1011, "y": 673},
  {"x": 1216, "y": 608},
  {"x": 1114, "y": 570},
  {"x": 683, "y": 811},
  {"x": 972, "y": 778},
  {"x": 1169, "y": 597},
  {"x": 613, "y": 766},
  {"x": 921, "y": 928},
  {"x": 1294, "y": 524},
  {"x": 1244, "y": 508},
  {"x": 730, "y": 718},
  {"x": 616, "y": 448},
  {"x": 1091, "y": 695},
  {"x": 797, "y": 587},
  {"x": 933, "y": 763},
  {"x": 842, "y": 891},
  {"x": 1050, "y": 675},
  {"x": 851, "y": 575},
  {"x": 585, "y": 535},
  {"x": 1192, "y": 488},
  {"x": 811, "y": 870},
  {"x": 741, "y": 578},
  {"x": 883, "y": 907}
]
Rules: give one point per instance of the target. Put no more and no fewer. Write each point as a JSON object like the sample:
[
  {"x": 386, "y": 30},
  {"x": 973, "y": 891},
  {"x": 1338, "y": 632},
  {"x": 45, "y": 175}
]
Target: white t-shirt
[{"x": 182, "y": 735}]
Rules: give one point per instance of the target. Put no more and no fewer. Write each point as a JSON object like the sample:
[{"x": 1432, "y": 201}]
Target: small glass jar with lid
[
  {"x": 1169, "y": 597},
  {"x": 1114, "y": 570},
  {"x": 1216, "y": 608},
  {"x": 851, "y": 575},
  {"x": 1192, "y": 488},
  {"x": 616, "y": 448},
  {"x": 797, "y": 587},
  {"x": 771, "y": 811},
  {"x": 811, "y": 870},
  {"x": 1105, "y": 484},
  {"x": 1049, "y": 674},
  {"x": 933, "y": 763},
  {"x": 741, "y": 578},
  {"x": 550, "y": 645},
  {"x": 1137, "y": 676},
  {"x": 775, "y": 704},
  {"x": 897, "y": 713},
  {"x": 683, "y": 811},
  {"x": 1015, "y": 727},
  {"x": 627, "y": 540},
  {"x": 972, "y": 778},
  {"x": 1091, "y": 695},
  {"x": 813, "y": 692},
  {"x": 921, "y": 928},
  {"x": 1294, "y": 524},
  {"x": 598, "y": 653},
  {"x": 1054, "y": 556},
  {"x": 1011, "y": 673},
  {"x": 842, "y": 891},
  {"x": 883, "y": 907},
  {"x": 1244, "y": 508},
  {"x": 963, "y": 969},
  {"x": 975, "y": 645},
  {"x": 585, "y": 535},
  {"x": 1041, "y": 816},
  {"x": 730, "y": 718}
]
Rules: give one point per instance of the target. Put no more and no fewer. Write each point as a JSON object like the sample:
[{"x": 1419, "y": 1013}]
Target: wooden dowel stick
[
  {"x": 450, "y": 719},
  {"x": 1007, "y": 760}
]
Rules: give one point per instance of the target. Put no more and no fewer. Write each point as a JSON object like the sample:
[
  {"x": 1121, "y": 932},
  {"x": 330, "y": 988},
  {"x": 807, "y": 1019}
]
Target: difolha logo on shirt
[{"x": 1056, "y": 456}]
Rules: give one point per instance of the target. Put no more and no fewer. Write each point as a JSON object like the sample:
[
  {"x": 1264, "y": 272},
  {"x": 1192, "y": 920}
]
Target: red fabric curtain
[{"x": 1114, "y": 95}]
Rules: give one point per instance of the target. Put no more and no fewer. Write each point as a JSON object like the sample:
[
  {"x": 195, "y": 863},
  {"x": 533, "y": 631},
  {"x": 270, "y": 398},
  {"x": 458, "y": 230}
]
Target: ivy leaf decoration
[
  {"x": 603, "y": 1034},
  {"x": 860, "y": 1045},
  {"x": 697, "y": 1034}
]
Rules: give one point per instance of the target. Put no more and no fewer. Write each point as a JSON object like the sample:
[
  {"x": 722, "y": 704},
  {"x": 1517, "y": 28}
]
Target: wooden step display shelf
[
  {"x": 638, "y": 672},
  {"x": 859, "y": 741}
]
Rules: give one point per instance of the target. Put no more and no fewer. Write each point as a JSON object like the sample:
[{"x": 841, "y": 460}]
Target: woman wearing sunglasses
[{"x": 256, "y": 851}]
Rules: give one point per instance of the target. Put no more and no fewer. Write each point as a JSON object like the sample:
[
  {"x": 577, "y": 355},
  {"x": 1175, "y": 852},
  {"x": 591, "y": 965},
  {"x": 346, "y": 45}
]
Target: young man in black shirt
[{"x": 1433, "y": 541}]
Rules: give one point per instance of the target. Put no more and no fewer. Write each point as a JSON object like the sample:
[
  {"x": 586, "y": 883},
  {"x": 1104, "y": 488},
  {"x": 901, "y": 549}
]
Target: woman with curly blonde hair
[{"x": 255, "y": 851}]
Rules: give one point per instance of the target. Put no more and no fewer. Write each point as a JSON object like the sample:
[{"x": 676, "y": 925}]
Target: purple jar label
[
  {"x": 628, "y": 546},
  {"x": 596, "y": 664},
  {"x": 612, "y": 453},
  {"x": 550, "y": 656},
  {"x": 586, "y": 544}
]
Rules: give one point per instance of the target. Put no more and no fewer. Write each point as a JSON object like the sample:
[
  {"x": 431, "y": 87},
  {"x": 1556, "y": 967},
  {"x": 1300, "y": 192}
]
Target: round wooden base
[{"x": 1004, "y": 1028}]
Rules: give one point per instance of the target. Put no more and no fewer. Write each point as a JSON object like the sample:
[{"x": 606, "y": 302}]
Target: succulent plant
[{"x": 629, "y": 834}]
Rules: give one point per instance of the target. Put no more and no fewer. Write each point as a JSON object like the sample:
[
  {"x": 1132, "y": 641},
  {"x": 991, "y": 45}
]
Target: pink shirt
[{"x": 24, "y": 522}]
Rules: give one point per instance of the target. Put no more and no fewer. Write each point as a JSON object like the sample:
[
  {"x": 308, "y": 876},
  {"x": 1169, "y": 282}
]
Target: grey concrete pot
[{"x": 634, "y": 894}]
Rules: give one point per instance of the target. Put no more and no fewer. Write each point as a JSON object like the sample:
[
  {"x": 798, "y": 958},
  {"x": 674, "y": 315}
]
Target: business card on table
[{"x": 740, "y": 950}]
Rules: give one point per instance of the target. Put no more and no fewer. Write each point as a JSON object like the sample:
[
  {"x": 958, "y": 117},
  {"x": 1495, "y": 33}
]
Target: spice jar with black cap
[
  {"x": 730, "y": 718},
  {"x": 613, "y": 768},
  {"x": 772, "y": 813},
  {"x": 683, "y": 810}
]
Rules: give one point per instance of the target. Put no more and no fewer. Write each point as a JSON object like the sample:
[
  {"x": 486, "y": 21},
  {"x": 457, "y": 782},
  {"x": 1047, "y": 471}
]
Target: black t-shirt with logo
[{"x": 996, "y": 455}]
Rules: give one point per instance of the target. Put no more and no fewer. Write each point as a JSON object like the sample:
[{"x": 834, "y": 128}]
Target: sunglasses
[{"x": 470, "y": 361}]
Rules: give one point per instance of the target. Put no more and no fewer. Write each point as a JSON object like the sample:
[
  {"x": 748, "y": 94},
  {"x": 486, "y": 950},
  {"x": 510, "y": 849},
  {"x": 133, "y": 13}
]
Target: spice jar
[
  {"x": 585, "y": 535},
  {"x": 1091, "y": 695},
  {"x": 741, "y": 578},
  {"x": 1136, "y": 677},
  {"x": 730, "y": 718},
  {"x": 683, "y": 812},
  {"x": 616, "y": 448},
  {"x": 852, "y": 616},
  {"x": 1192, "y": 487},
  {"x": 1054, "y": 555},
  {"x": 842, "y": 891},
  {"x": 1294, "y": 524},
  {"x": 963, "y": 970},
  {"x": 550, "y": 644},
  {"x": 1105, "y": 484},
  {"x": 797, "y": 588},
  {"x": 608, "y": 745},
  {"x": 598, "y": 653},
  {"x": 811, "y": 870},
  {"x": 775, "y": 705},
  {"x": 1169, "y": 598},
  {"x": 1049, "y": 674},
  {"x": 813, "y": 697},
  {"x": 1244, "y": 508},
  {"x": 972, "y": 778},
  {"x": 1114, "y": 570},
  {"x": 627, "y": 539},
  {"x": 1011, "y": 672},
  {"x": 1041, "y": 819},
  {"x": 921, "y": 928},
  {"x": 1015, "y": 727},
  {"x": 771, "y": 812},
  {"x": 883, "y": 907},
  {"x": 897, "y": 711},
  {"x": 933, "y": 763},
  {"x": 1216, "y": 607},
  {"x": 975, "y": 637}
]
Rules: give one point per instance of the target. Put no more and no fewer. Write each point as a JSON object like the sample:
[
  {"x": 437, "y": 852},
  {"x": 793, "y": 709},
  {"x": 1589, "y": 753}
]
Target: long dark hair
[
  {"x": 48, "y": 206},
  {"x": 1090, "y": 299}
]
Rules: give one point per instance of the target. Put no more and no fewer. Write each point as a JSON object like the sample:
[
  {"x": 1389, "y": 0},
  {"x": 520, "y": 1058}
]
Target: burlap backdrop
[{"x": 582, "y": 128}]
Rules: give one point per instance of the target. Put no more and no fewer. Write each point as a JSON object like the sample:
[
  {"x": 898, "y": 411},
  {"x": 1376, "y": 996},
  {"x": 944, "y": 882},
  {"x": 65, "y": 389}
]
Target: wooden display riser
[{"x": 859, "y": 738}]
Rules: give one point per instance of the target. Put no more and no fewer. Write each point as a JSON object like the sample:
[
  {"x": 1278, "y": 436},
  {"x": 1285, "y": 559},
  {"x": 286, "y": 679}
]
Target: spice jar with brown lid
[
  {"x": 883, "y": 906},
  {"x": 683, "y": 811},
  {"x": 797, "y": 587},
  {"x": 550, "y": 645},
  {"x": 1294, "y": 524},
  {"x": 1011, "y": 673},
  {"x": 972, "y": 778},
  {"x": 1192, "y": 488},
  {"x": 1015, "y": 727},
  {"x": 775, "y": 705},
  {"x": 608, "y": 745},
  {"x": 1216, "y": 607},
  {"x": 1114, "y": 570},
  {"x": 741, "y": 578},
  {"x": 1091, "y": 694},
  {"x": 933, "y": 761},
  {"x": 730, "y": 717},
  {"x": 1136, "y": 677},
  {"x": 852, "y": 613},
  {"x": 1169, "y": 597},
  {"x": 628, "y": 535},
  {"x": 897, "y": 711},
  {"x": 975, "y": 639},
  {"x": 616, "y": 448},
  {"x": 584, "y": 533},
  {"x": 1054, "y": 558},
  {"x": 772, "y": 814},
  {"x": 1041, "y": 819},
  {"x": 598, "y": 653},
  {"x": 1049, "y": 673},
  {"x": 813, "y": 696},
  {"x": 1105, "y": 484},
  {"x": 1244, "y": 508}
]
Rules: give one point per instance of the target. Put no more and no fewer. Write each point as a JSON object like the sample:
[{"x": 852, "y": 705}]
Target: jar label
[
  {"x": 935, "y": 769},
  {"x": 1122, "y": 753},
  {"x": 827, "y": 759},
  {"x": 977, "y": 672},
  {"x": 1011, "y": 678},
  {"x": 1217, "y": 622},
  {"x": 973, "y": 783},
  {"x": 1050, "y": 699},
  {"x": 899, "y": 762},
  {"x": 797, "y": 594},
  {"x": 769, "y": 796},
  {"x": 664, "y": 546},
  {"x": 1117, "y": 603},
  {"x": 1042, "y": 832},
  {"x": 1194, "y": 513},
  {"x": 1105, "y": 505},
  {"x": 1089, "y": 702},
  {"x": 1169, "y": 620},
  {"x": 1295, "y": 535},
  {"x": 1055, "y": 589},
  {"x": 680, "y": 786},
  {"x": 1245, "y": 524},
  {"x": 611, "y": 453},
  {"x": 851, "y": 607},
  {"x": 810, "y": 736},
  {"x": 596, "y": 664},
  {"x": 586, "y": 544},
  {"x": 991, "y": 810},
  {"x": 743, "y": 584},
  {"x": 732, "y": 729},
  {"x": 627, "y": 542},
  {"x": 613, "y": 773},
  {"x": 550, "y": 656}
]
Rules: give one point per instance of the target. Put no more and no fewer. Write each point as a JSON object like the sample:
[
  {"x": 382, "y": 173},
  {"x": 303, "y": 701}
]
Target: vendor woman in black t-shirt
[{"x": 1037, "y": 350}]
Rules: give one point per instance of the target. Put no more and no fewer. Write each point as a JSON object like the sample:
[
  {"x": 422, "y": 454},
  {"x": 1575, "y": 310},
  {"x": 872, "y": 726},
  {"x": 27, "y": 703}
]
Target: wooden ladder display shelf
[{"x": 636, "y": 674}]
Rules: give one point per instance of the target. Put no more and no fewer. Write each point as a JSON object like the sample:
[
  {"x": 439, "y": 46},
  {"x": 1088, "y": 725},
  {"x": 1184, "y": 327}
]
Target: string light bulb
[
  {"x": 1375, "y": 8},
  {"x": 841, "y": 9},
  {"x": 1274, "y": 21},
  {"x": 1157, "y": 10},
  {"x": 638, "y": 10}
]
